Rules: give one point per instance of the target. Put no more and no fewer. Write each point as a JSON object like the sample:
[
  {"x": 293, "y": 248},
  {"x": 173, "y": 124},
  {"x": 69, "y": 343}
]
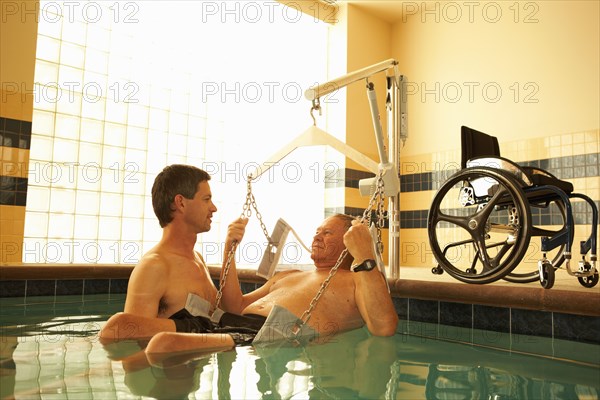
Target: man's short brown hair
[{"x": 173, "y": 180}]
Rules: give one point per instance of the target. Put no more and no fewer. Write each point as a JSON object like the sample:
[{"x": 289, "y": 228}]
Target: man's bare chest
[
  {"x": 301, "y": 285},
  {"x": 185, "y": 280}
]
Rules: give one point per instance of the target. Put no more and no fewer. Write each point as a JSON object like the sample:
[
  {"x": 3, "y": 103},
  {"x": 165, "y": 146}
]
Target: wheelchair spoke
[
  {"x": 493, "y": 262},
  {"x": 462, "y": 222},
  {"x": 483, "y": 254},
  {"x": 503, "y": 250},
  {"x": 485, "y": 212}
]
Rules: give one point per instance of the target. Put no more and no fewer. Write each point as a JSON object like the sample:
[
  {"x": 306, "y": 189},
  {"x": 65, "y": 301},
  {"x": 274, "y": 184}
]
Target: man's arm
[
  {"x": 147, "y": 285},
  {"x": 232, "y": 293},
  {"x": 371, "y": 293},
  {"x": 233, "y": 300}
]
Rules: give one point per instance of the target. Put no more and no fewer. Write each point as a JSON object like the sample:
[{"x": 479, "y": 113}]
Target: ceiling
[{"x": 386, "y": 10}]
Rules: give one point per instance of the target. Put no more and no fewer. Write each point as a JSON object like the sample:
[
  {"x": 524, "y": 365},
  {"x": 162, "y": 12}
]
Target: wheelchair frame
[{"x": 492, "y": 209}]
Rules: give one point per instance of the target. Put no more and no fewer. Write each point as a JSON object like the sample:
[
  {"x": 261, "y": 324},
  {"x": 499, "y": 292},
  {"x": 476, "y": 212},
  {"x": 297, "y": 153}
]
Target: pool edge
[{"x": 528, "y": 298}]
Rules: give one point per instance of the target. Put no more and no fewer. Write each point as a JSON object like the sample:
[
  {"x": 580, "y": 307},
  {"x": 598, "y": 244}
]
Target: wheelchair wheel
[
  {"x": 529, "y": 263},
  {"x": 546, "y": 274},
  {"x": 483, "y": 236},
  {"x": 588, "y": 281}
]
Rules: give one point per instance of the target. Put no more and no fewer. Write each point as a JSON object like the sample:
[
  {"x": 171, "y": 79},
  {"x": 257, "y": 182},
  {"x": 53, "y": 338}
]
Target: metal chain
[
  {"x": 247, "y": 212},
  {"x": 308, "y": 313},
  {"x": 252, "y": 201},
  {"x": 224, "y": 276},
  {"x": 378, "y": 195}
]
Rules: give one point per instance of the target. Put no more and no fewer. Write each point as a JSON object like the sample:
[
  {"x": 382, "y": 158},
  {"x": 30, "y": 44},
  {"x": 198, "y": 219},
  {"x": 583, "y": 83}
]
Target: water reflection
[
  {"x": 351, "y": 365},
  {"x": 358, "y": 365}
]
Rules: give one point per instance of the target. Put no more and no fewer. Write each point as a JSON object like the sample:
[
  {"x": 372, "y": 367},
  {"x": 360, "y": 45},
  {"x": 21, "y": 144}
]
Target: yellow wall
[
  {"x": 526, "y": 72},
  {"x": 18, "y": 37},
  {"x": 369, "y": 42},
  {"x": 543, "y": 56},
  {"x": 544, "y": 59}
]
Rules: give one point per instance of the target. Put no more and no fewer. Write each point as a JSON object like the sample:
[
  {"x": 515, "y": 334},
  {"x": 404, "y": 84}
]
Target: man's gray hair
[{"x": 346, "y": 218}]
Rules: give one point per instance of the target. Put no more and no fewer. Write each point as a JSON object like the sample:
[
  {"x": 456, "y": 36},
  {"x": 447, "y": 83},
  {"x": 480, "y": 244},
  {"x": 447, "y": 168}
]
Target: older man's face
[{"x": 328, "y": 242}]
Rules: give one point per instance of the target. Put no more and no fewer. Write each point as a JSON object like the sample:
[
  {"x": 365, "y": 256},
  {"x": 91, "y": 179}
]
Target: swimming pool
[{"x": 49, "y": 349}]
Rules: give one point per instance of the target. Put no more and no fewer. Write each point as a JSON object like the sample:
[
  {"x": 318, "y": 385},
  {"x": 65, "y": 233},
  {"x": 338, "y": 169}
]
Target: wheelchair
[{"x": 483, "y": 217}]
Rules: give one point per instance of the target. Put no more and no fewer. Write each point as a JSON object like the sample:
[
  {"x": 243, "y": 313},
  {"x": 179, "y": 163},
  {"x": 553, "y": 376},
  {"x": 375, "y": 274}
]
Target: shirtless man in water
[
  {"x": 351, "y": 300},
  {"x": 160, "y": 283}
]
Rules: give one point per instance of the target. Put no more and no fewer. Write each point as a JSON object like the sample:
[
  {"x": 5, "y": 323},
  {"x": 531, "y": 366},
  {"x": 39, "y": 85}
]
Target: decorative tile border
[
  {"x": 59, "y": 287},
  {"x": 482, "y": 320},
  {"x": 13, "y": 191},
  {"x": 567, "y": 167},
  {"x": 15, "y": 133}
]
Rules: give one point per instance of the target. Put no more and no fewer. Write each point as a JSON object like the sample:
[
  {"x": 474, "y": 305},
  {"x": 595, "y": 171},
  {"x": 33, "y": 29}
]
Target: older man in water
[{"x": 357, "y": 295}]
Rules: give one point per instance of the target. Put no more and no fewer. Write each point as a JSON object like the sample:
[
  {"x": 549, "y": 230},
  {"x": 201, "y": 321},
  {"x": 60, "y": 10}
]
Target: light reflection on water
[{"x": 66, "y": 362}]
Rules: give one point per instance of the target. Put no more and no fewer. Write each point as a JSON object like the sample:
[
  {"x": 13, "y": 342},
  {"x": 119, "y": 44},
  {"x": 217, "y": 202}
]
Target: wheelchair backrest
[
  {"x": 477, "y": 144},
  {"x": 480, "y": 149}
]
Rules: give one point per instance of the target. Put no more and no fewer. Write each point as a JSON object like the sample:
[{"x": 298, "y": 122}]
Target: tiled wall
[
  {"x": 17, "y": 67},
  {"x": 61, "y": 287},
  {"x": 499, "y": 319},
  {"x": 567, "y": 168},
  {"x": 15, "y": 142},
  {"x": 15, "y": 136}
]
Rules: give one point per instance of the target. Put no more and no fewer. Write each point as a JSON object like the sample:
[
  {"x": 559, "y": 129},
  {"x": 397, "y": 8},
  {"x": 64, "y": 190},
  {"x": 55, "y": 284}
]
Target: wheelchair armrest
[
  {"x": 541, "y": 177},
  {"x": 537, "y": 171},
  {"x": 503, "y": 164}
]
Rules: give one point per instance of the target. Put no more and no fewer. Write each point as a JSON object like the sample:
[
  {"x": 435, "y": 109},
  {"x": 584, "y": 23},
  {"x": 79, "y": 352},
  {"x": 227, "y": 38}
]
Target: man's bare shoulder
[
  {"x": 200, "y": 259},
  {"x": 152, "y": 262}
]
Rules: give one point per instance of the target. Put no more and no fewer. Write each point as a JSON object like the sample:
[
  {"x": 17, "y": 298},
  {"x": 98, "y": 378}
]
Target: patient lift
[{"x": 281, "y": 324}]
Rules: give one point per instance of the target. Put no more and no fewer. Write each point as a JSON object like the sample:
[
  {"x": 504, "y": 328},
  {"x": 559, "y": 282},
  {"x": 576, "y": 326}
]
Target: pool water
[{"x": 50, "y": 350}]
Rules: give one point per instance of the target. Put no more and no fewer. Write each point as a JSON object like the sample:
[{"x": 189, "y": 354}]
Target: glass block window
[{"x": 123, "y": 89}]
